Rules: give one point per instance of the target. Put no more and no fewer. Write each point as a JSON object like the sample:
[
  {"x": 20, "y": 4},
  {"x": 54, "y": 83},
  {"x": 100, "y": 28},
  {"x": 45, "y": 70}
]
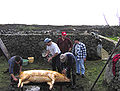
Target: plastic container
[
  {"x": 25, "y": 62},
  {"x": 31, "y": 59}
]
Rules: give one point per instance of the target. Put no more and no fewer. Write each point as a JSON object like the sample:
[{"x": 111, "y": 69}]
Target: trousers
[{"x": 80, "y": 68}]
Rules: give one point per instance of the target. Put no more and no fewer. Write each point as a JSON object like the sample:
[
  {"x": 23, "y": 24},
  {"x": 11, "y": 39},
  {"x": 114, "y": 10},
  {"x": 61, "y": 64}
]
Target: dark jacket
[
  {"x": 13, "y": 67},
  {"x": 70, "y": 66}
]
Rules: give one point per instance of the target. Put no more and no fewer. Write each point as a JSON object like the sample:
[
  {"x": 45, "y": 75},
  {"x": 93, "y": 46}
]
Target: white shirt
[{"x": 53, "y": 48}]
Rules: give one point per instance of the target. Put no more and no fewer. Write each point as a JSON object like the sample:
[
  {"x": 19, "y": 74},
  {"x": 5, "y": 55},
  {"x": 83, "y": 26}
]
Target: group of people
[{"x": 67, "y": 58}]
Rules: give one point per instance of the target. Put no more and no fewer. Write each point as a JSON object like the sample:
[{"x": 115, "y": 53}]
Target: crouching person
[
  {"x": 68, "y": 66},
  {"x": 15, "y": 67}
]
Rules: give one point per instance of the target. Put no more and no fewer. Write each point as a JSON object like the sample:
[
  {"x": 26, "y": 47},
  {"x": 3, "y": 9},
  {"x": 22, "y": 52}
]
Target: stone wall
[
  {"x": 32, "y": 44},
  {"x": 109, "y": 78},
  {"x": 107, "y": 43},
  {"x": 108, "y": 31}
]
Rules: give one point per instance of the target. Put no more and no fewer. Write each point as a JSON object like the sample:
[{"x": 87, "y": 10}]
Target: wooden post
[
  {"x": 4, "y": 49},
  {"x": 60, "y": 87}
]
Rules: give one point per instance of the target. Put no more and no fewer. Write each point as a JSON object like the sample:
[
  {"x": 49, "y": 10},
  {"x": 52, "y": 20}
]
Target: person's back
[
  {"x": 68, "y": 66},
  {"x": 13, "y": 66},
  {"x": 71, "y": 59},
  {"x": 53, "y": 48}
]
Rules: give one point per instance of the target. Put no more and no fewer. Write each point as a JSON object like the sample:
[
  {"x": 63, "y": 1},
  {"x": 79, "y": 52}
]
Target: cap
[
  {"x": 64, "y": 33},
  {"x": 47, "y": 40},
  {"x": 62, "y": 58}
]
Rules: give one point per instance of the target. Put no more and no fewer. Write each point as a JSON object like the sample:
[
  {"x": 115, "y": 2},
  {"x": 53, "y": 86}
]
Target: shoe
[
  {"x": 77, "y": 74},
  {"x": 83, "y": 76}
]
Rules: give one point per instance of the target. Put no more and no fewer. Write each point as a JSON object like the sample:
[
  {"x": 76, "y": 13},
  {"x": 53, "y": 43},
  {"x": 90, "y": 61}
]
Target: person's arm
[
  {"x": 11, "y": 72},
  {"x": 21, "y": 63},
  {"x": 73, "y": 49},
  {"x": 47, "y": 53},
  {"x": 14, "y": 78},
  {"x": 56, "y": 52},
  {"x": 69, "y": 49},
  {"x": 20, "y": 69},
  {"x": 52, "y": 57},
  {"x": 84, "y": 52},
  {"x": 70, "y": 44},
  {"x": 55, "y": 55},
  {"x": 57, "y": 41},
  {"x": 64, "y": 71}
]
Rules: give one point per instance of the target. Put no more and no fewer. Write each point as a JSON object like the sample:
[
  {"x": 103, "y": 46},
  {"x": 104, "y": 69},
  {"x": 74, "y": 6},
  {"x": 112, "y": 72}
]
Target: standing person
[
  {"x": 79, "y": 50},
  {"x": 68, "y": 66},
  {"x": 64, "y": 43},
  {"x": 99, "y": 47},
  {"x": 52, "y": 48},
  {"x": 15, "y": 67}
]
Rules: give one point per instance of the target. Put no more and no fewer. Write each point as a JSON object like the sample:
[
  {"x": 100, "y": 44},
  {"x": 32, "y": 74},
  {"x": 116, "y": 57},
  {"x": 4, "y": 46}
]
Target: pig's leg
[
  {"x": 20, "y": 81},
  {"x": 51, "y": 85},
  {"x": 52, "y": 77}
]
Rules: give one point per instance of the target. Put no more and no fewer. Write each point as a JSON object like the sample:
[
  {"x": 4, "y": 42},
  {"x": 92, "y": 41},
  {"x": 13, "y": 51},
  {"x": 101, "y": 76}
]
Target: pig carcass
[{"x": 38, "y": 76}]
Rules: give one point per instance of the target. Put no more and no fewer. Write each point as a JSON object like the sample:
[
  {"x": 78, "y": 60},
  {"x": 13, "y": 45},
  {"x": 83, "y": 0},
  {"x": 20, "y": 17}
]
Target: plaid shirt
[{"x": 79, "y": 50}]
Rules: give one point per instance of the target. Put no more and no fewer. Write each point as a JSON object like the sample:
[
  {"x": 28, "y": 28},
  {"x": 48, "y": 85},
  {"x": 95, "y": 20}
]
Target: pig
[{"x": 38, "y": 76}]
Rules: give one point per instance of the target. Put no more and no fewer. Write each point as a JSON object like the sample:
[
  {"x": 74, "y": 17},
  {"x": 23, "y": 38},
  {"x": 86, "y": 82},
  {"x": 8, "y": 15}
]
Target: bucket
[
  {"x": 31, "y": 59},
  {"x": 25, "y": 62}
]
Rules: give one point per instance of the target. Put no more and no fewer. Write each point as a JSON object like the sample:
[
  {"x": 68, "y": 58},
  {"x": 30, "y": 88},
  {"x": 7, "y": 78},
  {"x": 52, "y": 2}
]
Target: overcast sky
[{"x": 60, "y": 12}]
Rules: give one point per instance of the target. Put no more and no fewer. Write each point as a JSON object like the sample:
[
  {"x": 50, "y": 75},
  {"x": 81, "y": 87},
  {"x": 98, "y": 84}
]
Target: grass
[
  {"x": 93, "y": 68},
  {"x": 113, "y": 38}
]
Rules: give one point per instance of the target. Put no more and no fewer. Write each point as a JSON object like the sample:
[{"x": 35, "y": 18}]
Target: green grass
[
  {"x": 93, "y": 69},
  {"x": 113, "y": 38}
]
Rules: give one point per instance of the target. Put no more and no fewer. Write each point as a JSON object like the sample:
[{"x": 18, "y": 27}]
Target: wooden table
[{"x": 43, "y": 86}]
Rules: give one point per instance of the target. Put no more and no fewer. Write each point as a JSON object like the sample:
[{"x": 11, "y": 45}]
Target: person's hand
[
  {"x": 49, "y": 59},
  {"x": 84, "y": 59},
  {"x": 70, "y": 49},
  {"x": 15, "y": 79},
  {"x": 44, "y": 55},
  {"x": 64, "y": 71}
]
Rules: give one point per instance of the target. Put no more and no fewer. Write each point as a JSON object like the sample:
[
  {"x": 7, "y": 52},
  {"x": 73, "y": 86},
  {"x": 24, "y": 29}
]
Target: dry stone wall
[
  {"x": 109, "y": 78},
  {"x": 27, "y": 45}
]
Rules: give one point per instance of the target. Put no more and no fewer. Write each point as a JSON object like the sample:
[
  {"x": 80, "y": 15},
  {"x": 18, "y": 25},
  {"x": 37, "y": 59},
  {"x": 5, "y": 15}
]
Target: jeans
[{"x": 80, "y": 66}]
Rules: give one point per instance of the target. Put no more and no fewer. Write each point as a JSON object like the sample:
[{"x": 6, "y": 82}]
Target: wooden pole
[{"x": 4, "y": 49}]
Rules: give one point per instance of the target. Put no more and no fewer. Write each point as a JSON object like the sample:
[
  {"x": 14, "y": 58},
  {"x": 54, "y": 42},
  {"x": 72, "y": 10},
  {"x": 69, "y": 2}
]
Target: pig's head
[{"x": 61, "y": 78}]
